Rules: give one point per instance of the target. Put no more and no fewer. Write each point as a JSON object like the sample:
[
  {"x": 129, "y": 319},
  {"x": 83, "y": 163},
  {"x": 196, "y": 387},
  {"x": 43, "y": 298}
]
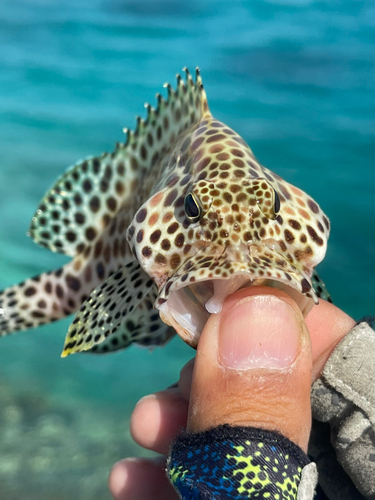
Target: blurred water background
[{"x": 296, "y": 78}]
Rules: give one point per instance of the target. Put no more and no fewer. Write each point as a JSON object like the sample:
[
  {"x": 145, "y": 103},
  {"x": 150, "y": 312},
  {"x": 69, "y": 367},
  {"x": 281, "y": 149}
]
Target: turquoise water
[{"x": 295, "y": 78}]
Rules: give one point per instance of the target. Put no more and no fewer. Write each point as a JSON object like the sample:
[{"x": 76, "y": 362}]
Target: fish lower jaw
[{"x": 188, "y": 308}]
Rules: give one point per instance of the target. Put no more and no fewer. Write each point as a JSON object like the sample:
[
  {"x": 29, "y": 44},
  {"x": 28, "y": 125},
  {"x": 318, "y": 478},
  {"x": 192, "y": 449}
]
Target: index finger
[{"x": 327, "y": 325}]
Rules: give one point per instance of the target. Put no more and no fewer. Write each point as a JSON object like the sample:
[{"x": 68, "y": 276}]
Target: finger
[
  {"x": 253, "y": 367},
  {"x": 158, "y": 418},
  {"x": 140, "y": 479},
  {"x": 186, "y": 375},
  {"x": 327, "y": 325}
]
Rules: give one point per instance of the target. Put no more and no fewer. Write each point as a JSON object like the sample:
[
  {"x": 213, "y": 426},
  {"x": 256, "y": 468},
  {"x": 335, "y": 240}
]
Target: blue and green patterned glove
[{"x": 239, "y": 462}]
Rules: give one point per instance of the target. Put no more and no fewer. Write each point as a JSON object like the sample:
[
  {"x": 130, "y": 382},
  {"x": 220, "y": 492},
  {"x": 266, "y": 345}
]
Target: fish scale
[{"x": 179, "y": 216}]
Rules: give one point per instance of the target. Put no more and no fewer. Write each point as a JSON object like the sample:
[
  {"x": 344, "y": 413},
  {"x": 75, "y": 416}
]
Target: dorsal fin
[{"x": 73, "y": 213}]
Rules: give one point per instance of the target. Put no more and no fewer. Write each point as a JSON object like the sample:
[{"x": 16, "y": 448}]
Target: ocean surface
[{"x": 295, "y": 78}]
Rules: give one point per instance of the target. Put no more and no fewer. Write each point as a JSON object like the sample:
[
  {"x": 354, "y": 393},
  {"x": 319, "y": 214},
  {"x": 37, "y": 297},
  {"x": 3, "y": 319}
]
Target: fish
[{"x": 163, "y": 229}]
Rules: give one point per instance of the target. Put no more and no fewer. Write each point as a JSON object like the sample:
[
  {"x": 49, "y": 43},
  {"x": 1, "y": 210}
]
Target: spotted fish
[{"x": 162, "y": 229}]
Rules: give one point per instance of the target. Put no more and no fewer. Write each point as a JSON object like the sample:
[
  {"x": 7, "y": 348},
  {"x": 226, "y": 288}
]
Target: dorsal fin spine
[
  {"x": 198, "y": 78},
  {"x": 150, "y": 112}
]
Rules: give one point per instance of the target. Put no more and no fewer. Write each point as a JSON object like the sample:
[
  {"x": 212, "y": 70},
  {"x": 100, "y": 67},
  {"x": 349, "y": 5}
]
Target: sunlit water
[{"x": 295, "y": 78}]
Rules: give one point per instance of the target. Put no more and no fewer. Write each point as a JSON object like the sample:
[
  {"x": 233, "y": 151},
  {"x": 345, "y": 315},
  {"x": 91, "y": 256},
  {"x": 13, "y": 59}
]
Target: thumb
[{"x": 253, "y": 367}]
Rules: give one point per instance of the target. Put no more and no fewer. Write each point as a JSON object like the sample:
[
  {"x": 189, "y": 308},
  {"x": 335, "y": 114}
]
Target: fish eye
[
  {"x": 193, "y": 210},
  {"x": 276, "y": 202}
]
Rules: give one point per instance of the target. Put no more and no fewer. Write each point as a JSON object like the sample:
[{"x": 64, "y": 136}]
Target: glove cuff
[{"x": 236, "y": 463}]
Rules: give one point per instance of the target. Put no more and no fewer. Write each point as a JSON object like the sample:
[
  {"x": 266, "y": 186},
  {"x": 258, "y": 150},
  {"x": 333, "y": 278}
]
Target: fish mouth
[{"x": 199, "y": 287}]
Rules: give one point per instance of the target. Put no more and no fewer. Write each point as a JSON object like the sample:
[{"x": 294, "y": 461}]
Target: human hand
[{"x": 222, "y": 387}]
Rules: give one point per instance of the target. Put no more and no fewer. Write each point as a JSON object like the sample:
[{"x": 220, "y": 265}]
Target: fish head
[{"x": 218, "y": 221}]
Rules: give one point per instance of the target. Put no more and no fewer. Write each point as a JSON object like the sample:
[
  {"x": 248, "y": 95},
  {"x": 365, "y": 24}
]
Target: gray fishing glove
[{"x": 343, "y": 399}]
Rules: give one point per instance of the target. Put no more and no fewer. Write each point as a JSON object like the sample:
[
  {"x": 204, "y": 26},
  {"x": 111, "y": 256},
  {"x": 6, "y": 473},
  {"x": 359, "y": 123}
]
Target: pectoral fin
[
  {"x": 107, "y": 308},
  {"x": 143, "y": 327},
  {"x": 320, "y": 288}
]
